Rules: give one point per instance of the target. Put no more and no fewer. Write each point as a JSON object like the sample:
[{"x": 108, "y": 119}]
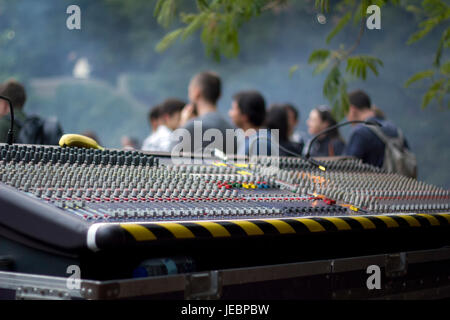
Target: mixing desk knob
[
  {"x": 186, "y": 212},
  {"x": 26, "y": 187},
  {"x": 98, "y": 193},
  {"x": 59, "y": 192},
  {"x": 120, "y": 213},
  {"x": 38, "y": 192},
  {"x": 140, "y": 213},
  {"x": 49, "y": 193}
]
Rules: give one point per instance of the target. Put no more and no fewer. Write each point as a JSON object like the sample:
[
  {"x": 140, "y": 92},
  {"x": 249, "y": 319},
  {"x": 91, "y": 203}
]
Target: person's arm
[{"x": 187, "y": 114}]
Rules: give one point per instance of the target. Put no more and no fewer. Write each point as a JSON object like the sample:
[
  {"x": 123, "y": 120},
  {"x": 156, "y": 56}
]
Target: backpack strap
[{"x": 383, "y": 137}]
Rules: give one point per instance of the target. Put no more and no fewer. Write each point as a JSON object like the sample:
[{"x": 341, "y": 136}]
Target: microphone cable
[
  {"x": 10, "y": 138},
  {"x": 308, "y": 150}
]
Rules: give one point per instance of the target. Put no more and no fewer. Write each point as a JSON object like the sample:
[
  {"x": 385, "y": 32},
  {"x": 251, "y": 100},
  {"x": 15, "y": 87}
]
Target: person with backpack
[
  {"x": 27, "y": 129},
  {"x": 16, "y": 93},
  {"x": 382, "y": 146}
]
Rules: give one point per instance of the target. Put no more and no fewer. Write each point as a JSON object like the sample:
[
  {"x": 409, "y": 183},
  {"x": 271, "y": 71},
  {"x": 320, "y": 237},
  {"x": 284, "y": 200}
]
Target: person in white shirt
[{"x": 169, "y": 120}]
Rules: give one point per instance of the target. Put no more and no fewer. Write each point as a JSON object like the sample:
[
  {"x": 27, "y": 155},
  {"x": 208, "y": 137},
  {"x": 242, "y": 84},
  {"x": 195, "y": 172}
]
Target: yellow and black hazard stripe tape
[{"x": 235, "y": 228}]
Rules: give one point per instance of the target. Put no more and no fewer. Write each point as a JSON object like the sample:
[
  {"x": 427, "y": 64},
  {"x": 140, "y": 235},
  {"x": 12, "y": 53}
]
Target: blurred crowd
[{"x": 249, "y": 111}]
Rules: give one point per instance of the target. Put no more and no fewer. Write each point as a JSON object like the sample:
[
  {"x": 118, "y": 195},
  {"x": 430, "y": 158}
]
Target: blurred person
[
  {"x": 28, "y": 129},
  {"x": 129, "y": 143},
  {"x": 15, "y": 91},
  {"x": 364, "y": 143},
  {"x": 294, "y": 134},
  {"x": 154, "y": 118},
  {"x": 328, "y": 144},
  {"x": 169, "y": 120},
  {"x": 378, "y": 112},
  {"x": 204, "y": 91},
  {"x": 248, "y": 112},
  {"x": 277, "y": 118}
]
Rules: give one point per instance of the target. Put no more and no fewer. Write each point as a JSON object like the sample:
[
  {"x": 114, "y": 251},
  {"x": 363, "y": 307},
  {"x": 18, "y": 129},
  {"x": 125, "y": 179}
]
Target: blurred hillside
[{"x": 128, "y": 76}]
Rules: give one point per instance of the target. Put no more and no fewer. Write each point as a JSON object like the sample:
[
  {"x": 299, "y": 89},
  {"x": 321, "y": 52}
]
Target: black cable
[
  {"x": 276, "y": 144},
  {"x": 370, "y": 123},
  {"x": 11, "y": 126},
  {"x": 307, "y": 156}
]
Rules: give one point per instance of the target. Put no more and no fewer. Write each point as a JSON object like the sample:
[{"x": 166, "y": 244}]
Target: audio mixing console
[{"x": 109, "y": 210}]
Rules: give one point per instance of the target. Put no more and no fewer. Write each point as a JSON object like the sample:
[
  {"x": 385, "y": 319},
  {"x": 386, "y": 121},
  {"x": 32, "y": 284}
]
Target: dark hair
[
  {"x": 294, "y": 110},
  {"x": 210, "y": 85},
  {"x": 277, "y": 118},
  {"x": 359, "y": 99},
  {"x": 171, "y": 106},
  {"x": 326, "y": 116},
  {"x": 15, "y": 91},
  {"x": 252, "y": 104},
  {"x": 155, "y": 113}
]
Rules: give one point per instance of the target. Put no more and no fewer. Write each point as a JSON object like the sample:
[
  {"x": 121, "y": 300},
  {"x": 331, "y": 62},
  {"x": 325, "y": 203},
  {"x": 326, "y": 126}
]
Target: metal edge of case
[{"x": 208, "y": 284}]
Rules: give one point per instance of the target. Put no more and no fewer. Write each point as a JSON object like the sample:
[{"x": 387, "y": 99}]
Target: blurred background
[{"x": 106, "y": 76}]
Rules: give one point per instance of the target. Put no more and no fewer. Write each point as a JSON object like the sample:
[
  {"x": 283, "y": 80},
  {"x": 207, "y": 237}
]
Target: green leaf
[
  {"x": 432, "y": 93},
  {"x": 165, "y": 11},
  {"x": 345, "y": 102},
  {"x": 323, "y": 5},
  {"x": 445, "y": 39},
  {"x": 202, "y": 5},
  {"x": 419, "y": 76},
  {"x": 196, "y": 23},
  {"x": 321, "y": 67},
  {"x": 319, "y": 55},
  {"x": 341, "y": 24},
  {"x": 158, "y": 7},
  {"x": 331, "y": 84},
  {"x": 414, "y": 9},
  {"x": 292, "y": 70},
  {"x": 168, "y": 40},
  {"x": 357, "y": 65},
  {"x": 445, "y": 68},
  {"x": 437, "y": 12}
]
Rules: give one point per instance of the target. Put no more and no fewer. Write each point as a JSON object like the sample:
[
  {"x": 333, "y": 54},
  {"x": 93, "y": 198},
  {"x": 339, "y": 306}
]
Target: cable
[
  {"x": 277, "y": 144},
  {"x": 312, "y": 161},
  {"x": 371, "y": 123},
  {"x": 307, "y": 156},
  {"x": 11, "y": 126}
]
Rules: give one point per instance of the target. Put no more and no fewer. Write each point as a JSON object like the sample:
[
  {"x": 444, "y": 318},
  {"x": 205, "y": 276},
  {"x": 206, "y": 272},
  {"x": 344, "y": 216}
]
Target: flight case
[{"x": 421, "y": 274}]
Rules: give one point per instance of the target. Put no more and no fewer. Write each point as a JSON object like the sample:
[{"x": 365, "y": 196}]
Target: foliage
[
  {"x": 436, "y": 13},
  {"x": 118, "y": 38},
  {"x": 221, "y": 20},
  {"x": 336, "y": 82}
]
